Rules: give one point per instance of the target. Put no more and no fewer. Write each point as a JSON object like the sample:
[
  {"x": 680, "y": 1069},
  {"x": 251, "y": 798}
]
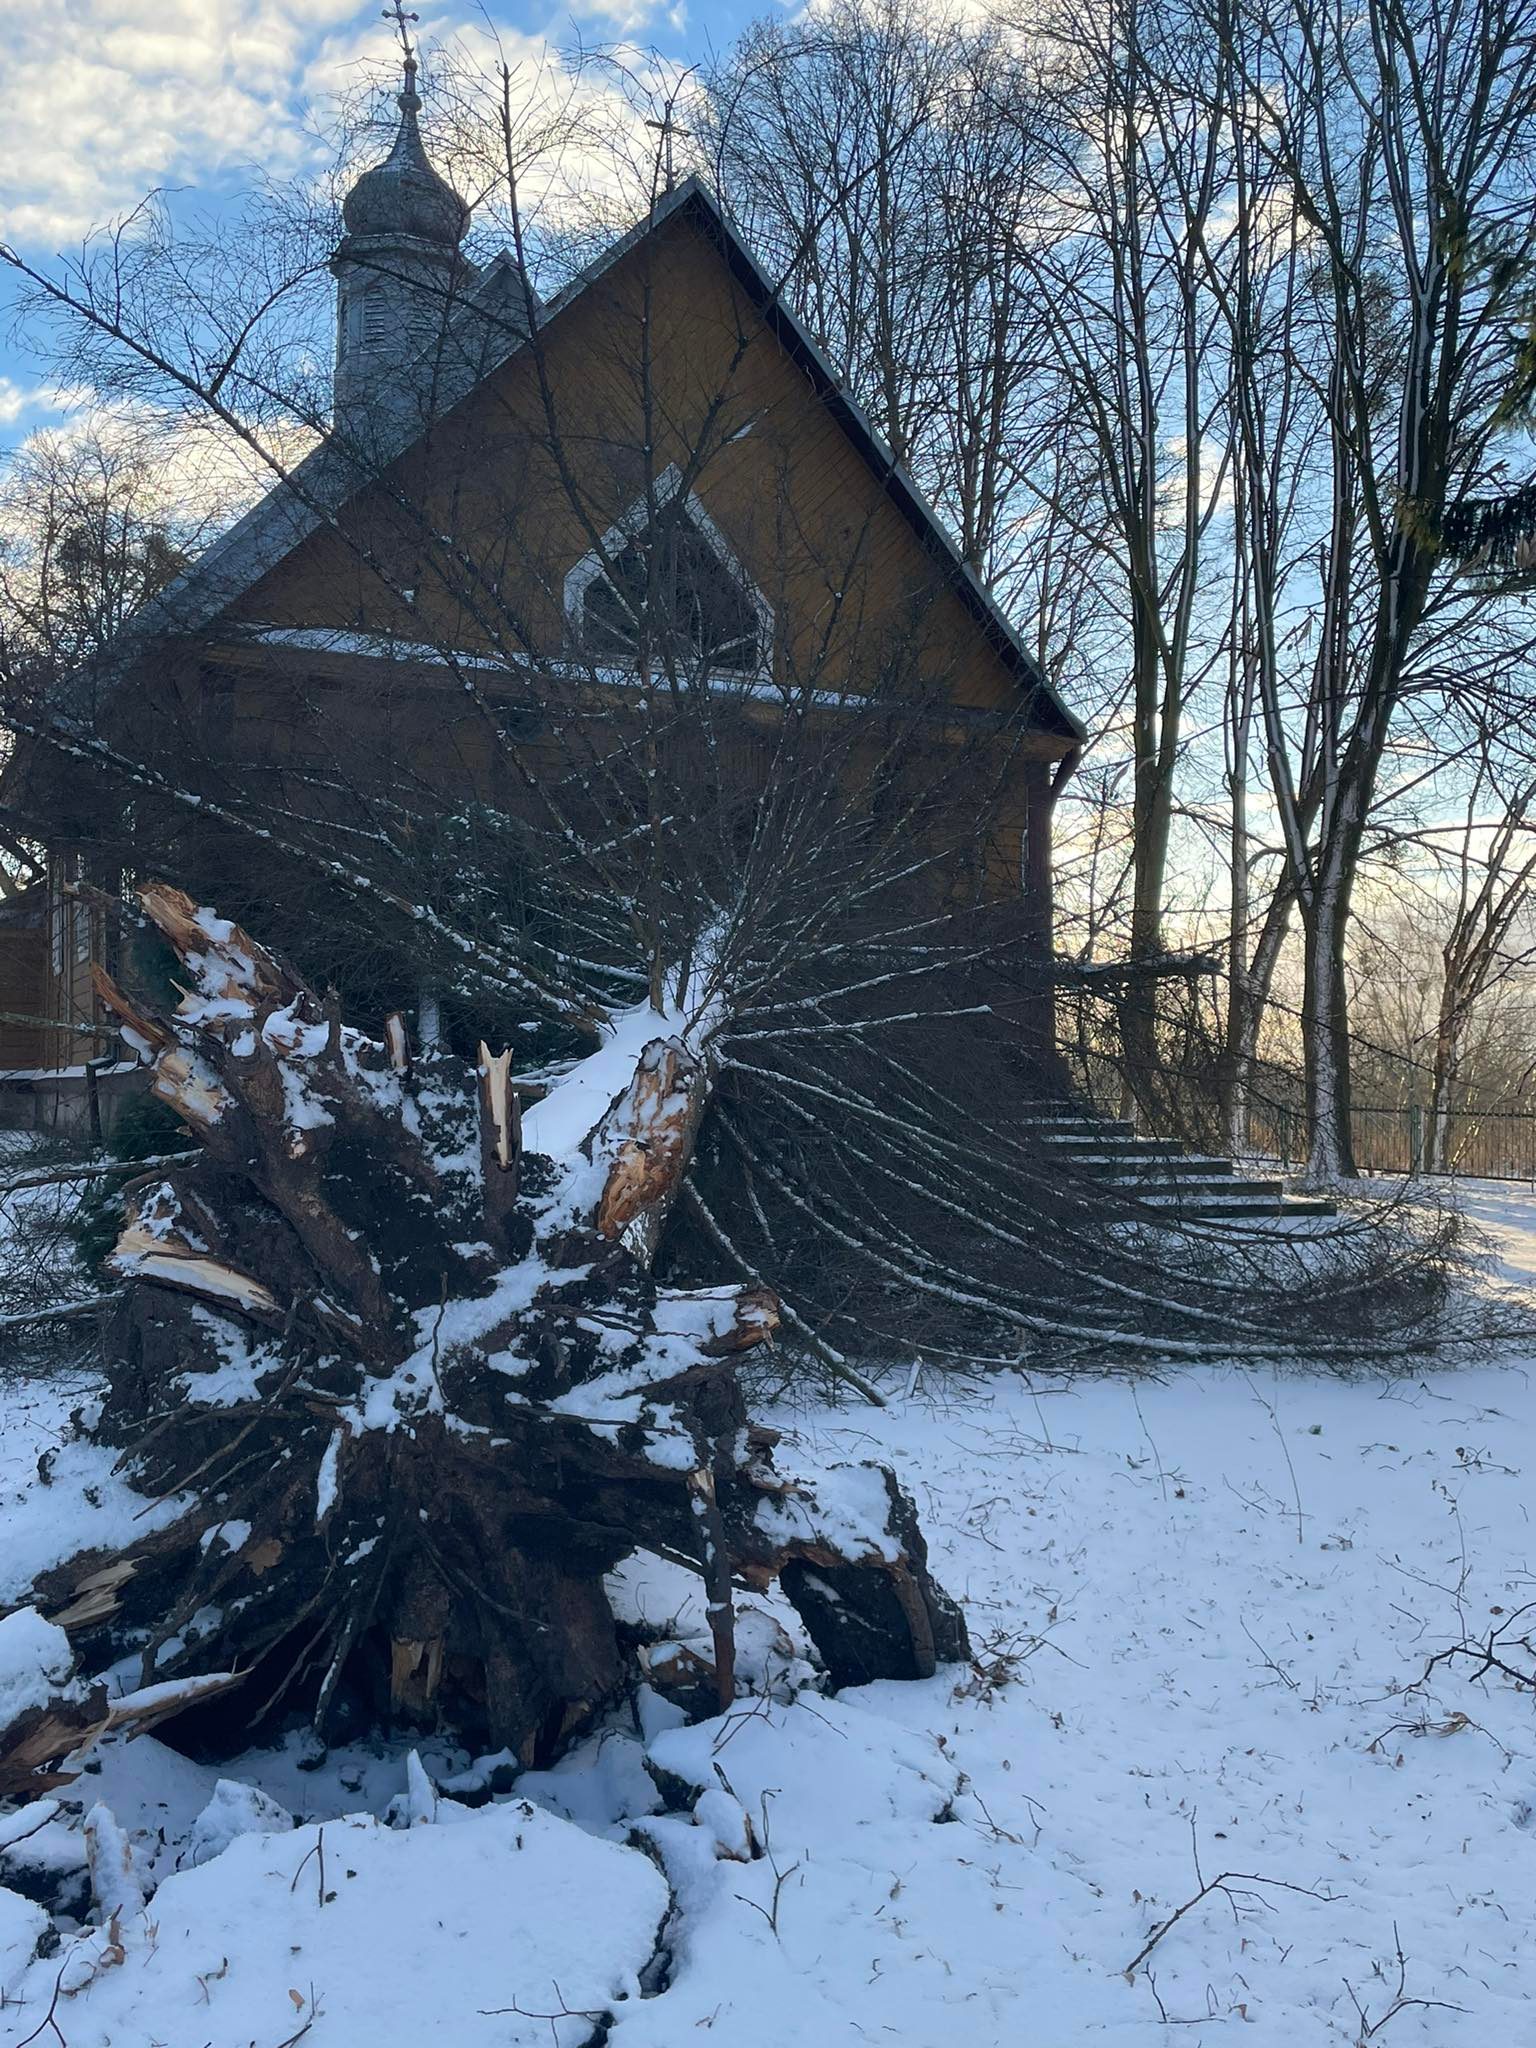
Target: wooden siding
[
  {"x": 47, "y": 944},
  {"x": 661, "y": 362},
  {"x": 23, "y": 975}
]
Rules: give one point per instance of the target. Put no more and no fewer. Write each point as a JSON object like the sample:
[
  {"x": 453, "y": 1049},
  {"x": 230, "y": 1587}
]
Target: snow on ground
[
  {"x": 58, "y": 1493},
  {"x": 1203, "y": 1611},
  {"x": 395, "y": 1934}
]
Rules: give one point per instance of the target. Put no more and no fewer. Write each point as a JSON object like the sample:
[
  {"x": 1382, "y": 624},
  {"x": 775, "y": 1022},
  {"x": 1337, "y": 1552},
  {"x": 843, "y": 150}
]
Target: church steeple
[{"x": 398, "y": 269}]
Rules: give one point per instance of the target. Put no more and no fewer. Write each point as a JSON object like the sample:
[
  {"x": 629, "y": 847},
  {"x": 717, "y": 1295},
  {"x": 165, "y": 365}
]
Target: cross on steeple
[
  {"x": 666, "y": 129},
  {"x": 400, "y": 15}
]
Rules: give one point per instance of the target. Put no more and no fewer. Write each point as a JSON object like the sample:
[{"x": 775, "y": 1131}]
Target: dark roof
[{"x": 323, "y": 481}]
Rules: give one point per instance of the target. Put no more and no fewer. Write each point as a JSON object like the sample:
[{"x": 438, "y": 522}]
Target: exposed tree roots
[{"x": 406, "y": 1391}]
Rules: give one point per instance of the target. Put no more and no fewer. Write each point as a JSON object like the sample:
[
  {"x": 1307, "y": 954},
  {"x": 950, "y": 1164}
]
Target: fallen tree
[{"x": 395, "y": 1359}]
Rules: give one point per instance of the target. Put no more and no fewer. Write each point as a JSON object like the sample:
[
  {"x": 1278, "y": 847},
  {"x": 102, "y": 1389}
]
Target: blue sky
[{"x": 109, "y": 99}]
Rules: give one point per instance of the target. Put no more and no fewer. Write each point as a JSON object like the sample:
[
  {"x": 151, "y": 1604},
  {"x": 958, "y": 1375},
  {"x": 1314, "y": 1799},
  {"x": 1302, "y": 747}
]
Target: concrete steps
[{"x": 1158, "y": 1172}]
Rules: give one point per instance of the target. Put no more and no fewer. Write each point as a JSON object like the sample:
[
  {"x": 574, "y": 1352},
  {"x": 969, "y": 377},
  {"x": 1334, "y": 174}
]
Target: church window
[
  {"x": 375, "y": 318},
  {"x": 668, "y": 591},
  {"x": 367, "y": 319}
]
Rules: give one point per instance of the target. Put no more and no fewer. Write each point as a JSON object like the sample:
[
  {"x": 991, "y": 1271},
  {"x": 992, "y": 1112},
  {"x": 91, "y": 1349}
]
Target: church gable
[{"x": 656, "y": 467}]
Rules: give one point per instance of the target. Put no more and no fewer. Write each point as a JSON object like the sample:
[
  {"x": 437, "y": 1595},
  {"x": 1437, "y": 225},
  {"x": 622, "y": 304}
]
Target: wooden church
[{"x": 529, "y": 537}]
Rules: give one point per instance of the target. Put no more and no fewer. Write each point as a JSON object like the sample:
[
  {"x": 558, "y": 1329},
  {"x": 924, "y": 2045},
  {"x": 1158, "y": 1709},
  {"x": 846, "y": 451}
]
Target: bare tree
[
  {"x": 927, "y": 128},
  {"x": 1403, "y": 134},
  {"x": 1493, "y": 861},
  {"x": 89, "y": 535},
  {"x": 1257, "y": 277}
]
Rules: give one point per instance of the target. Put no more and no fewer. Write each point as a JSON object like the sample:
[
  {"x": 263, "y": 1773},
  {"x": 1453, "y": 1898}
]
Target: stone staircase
[{"x": 1193, "y": 1186}]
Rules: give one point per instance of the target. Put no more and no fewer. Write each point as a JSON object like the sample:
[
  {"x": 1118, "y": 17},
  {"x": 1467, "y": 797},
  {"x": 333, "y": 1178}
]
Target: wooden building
[{"x": 461, "y": 583}]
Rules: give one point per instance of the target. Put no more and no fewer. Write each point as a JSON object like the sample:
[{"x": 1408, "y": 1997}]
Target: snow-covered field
[{"x": 1203, "y": 1611}]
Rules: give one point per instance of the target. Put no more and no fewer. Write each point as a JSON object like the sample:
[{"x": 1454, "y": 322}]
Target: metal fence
[{"x": 1478, "y": 1144}]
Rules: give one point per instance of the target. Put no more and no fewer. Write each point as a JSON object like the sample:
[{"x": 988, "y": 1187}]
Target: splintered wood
[{"x": 649, "y": 1134}]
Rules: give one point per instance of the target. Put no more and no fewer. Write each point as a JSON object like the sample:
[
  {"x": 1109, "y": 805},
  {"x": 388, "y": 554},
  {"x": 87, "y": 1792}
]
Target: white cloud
[
  {"x": 624, "y": 17},
  {"x": 16, "y": 399},
  {"x": 198, "y": 471},
  {"x": 107, "y": 98}
]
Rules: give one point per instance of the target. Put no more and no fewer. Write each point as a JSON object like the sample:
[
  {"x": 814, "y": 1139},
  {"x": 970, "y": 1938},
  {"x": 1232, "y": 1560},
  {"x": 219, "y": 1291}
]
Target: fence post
[{"x": 1415, "y": 1139}]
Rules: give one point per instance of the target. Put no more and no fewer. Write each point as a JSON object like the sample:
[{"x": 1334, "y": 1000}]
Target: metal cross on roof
[
  {"x": 666, "y": 129},
  {"x": 400, "y": 15}
]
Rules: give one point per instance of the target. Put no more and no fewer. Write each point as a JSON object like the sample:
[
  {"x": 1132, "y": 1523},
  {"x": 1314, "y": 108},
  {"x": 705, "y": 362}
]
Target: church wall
[{"x": 666, "y": 352}]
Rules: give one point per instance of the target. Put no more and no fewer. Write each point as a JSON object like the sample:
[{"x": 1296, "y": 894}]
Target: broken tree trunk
[{"x": 406, "y": 1391}]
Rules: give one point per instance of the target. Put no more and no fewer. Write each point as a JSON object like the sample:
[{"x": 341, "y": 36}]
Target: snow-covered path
[{"x": 1197, "y": 1606}]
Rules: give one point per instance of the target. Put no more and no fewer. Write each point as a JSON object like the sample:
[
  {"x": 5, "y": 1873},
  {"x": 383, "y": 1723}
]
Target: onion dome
[{"x": 404, "y": 195}]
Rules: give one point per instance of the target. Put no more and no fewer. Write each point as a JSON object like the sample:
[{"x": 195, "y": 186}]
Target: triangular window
[{"x": 667, "y": 592}]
